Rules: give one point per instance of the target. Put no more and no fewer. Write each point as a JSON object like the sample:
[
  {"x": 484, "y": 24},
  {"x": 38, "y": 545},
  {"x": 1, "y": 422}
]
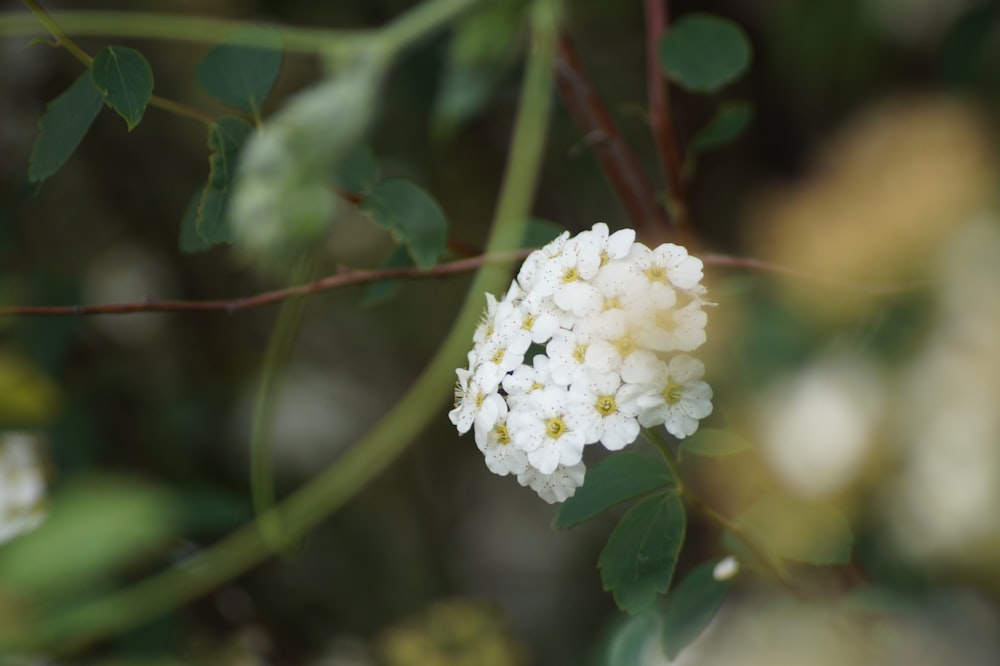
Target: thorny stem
[
  {"x": 342, "y": 278},
  {"x": 623, "y": 170},
  {"x": 346, "y": 276},
  {"x": 661, "y": 119}
]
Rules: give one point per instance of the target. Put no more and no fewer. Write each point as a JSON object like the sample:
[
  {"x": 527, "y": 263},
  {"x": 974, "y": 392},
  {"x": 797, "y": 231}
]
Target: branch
[
  {"x": 342, "y": 278},
  {"x": 768, "y": 267},
  {"x": 660, "y": 118},
  {"x": 618, "y": 162}
]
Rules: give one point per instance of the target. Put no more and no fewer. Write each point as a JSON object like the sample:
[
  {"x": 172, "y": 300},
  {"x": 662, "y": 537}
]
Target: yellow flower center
[
  {"x": 480, "y": 398},
  {"x": 612, "y": 303},
  {"x": 570, "y": 275},
  {"x": 528, "y": 321},
  {"x": 606, "y": 405},
  {"x": 673, "y": 393},
  {"x": 580, "y": 353},
  {"x": 625, "y": 345},
  {"x": 665, "y": 320},
  {"x": 498, "y": 356},
  {"x": 604, "y": 258},
  {"x": 503, "y": 437},
  {"x": 656, "y": 273},
  {"x": 555, "y": 427}
]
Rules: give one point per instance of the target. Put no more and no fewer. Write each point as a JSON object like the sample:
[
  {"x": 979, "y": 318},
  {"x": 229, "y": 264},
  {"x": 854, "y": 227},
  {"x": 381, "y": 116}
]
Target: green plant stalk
[
  {"x": 77, "y": 627},
  {"x": 61, "y": 37},
  {"x": 771, "y": 564},
  {"x": 279, "y": 347},
  {"x": 407, "y": 29}
]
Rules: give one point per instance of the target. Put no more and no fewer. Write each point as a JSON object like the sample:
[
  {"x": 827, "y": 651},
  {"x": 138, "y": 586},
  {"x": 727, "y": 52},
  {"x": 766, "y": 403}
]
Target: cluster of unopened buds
[{"x": 613, "y": 323}]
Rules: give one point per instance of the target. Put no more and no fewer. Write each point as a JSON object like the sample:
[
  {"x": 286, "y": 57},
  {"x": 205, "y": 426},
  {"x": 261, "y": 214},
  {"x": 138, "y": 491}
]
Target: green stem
[
  {"x": 64, "y": 632},
  {"x": 61, "y": 37},
  {"x": 771, "y": 564},
  {"x": 184, "y": 28},
  {"x": 179, "y": 109},
  {"x": 401, "y": 33},
  {"x": 279, "y": 348},
  {"x": 421, "y": 21}
]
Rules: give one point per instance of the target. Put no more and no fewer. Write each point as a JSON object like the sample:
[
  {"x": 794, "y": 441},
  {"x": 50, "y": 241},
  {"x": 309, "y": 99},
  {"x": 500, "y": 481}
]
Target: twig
[
  {"x": 768, "y": 562},
  {"x": 619, "y": 164},
  {"x": 760, "y": 265},
  {"x": 661, "y": 119},
  {"x": 342, "y": 278}
]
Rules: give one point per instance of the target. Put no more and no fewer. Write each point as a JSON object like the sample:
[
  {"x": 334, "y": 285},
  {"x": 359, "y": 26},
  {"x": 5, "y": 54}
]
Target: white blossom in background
[
  {"x": 22, "y": 485},
  {"x": 817, "y": 428},
  {"x": 616, "y": 321}
]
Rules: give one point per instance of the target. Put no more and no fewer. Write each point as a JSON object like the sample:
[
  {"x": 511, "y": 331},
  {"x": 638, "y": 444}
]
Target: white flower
[
  {"x": 525, "y": 380},
  {"x": 549, "y": 432},
  {"x": 558, "y": 486},
  {"x": 22, "y": 485},
  {"x": 538, "y": 258},
  {"x": 676, "y": 397},
  {"x": 616, "y": 339},
  {"x": 567, "y": 352},
  {"x": 501, "y": 457},
  {"x": 476, "y": 399},
  {"x": 603, "y": 417},
  {"x": 607, "y": 310},
  {"x": 566, "y": 277},
  {"x": 668, "y": 264},
  {"x": 484, "y": 328},
  {"x": 675, "y": 329},
  {"x": 726, "y": 568},
  {"x": 538, "y": 317}
]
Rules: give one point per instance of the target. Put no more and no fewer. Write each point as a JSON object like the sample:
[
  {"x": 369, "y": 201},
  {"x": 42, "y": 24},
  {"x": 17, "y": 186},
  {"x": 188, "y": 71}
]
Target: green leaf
[
  {"x": 540, "y": 232},
  {"x": 483, "y": 48},
  {"x": 703, "y": 53},
  {"x": 63, "y": 126},
  {"x": 125, "y": 79},
  {"x": 242, "y": 76},
  {"x": 383, "y": 290},
  {"x": 791, "y": 528},
  {"x": 713, "y": 442},
  {"x": 94, "y": 527},
  {"x": 627, "y": 645},
  {"x": 728, "y": 124},
  {"x": 226, "y": 137},
  {"x": 638, "y": 561},
  {"x": 968, "y": 57},
  {"x": 413, "y": 217},
  {"x": 691, "y": 605},
  {"x": 615, "y": 479},
  {"x": 190, "y": 240},
  {"x": 358, "y": 173}
]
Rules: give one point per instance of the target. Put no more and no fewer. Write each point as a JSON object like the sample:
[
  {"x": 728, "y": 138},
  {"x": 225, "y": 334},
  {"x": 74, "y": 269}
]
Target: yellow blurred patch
[
  {"x": 885, "y": 193},
  {"x": 455, "y": 632},
  {"x": 27, "y": 396}
]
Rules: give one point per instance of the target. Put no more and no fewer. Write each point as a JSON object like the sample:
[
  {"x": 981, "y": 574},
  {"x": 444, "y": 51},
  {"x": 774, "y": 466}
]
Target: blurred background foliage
[{"x": 870, "y": 159}]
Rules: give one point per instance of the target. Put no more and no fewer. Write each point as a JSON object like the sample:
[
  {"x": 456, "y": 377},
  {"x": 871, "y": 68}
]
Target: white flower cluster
[
  {"x": 22, "y": 486},
  {"x": 617, "y": 321}
]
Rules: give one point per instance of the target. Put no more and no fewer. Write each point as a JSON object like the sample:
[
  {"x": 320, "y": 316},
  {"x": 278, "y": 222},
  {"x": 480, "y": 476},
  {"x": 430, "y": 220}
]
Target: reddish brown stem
[
  {"x": 661, "y": 119},
  {"x": 343, "y": 278},
  {"x": 768, "y": 267},
  {"x": 619, "y": 164}
]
